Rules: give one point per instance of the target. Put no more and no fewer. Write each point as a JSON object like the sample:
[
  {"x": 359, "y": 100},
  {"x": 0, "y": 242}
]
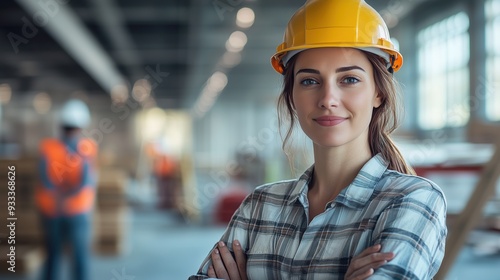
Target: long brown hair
[{"x": 385, "y": 118}]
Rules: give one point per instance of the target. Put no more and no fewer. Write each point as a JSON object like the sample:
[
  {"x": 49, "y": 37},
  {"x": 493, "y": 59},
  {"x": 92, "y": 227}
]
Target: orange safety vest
[
  {"x": 64, "y": 171},
  {"x": 164, "y": 165}
]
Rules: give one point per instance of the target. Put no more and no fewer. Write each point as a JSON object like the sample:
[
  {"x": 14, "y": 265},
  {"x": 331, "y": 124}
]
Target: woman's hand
[
  {"x": 364, "y": 265},
  {"x": 224, "y": 266}
]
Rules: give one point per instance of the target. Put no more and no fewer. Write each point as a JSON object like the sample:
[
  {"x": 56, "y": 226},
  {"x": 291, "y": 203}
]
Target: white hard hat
[{"x": 75, "y": 113}]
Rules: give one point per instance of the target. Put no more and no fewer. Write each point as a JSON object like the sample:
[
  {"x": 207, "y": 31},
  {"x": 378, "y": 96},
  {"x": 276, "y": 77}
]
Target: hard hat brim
[{"x": 280, "y": 59}]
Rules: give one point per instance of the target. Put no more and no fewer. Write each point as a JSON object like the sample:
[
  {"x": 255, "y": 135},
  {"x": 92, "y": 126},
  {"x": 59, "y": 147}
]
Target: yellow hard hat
[{"x": 336, "y": 23}]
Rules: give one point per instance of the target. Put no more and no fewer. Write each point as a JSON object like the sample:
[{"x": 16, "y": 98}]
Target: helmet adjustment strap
[{"x": 392, "y": 60}]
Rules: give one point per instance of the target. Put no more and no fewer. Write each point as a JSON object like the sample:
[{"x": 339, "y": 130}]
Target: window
[
  {"x": 492, "y": 94},
  {"x": 443, "y": 85}
]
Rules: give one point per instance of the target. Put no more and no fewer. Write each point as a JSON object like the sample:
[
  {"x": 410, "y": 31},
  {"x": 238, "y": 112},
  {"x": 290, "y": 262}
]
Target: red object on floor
[{"x": 227, "y": 204}]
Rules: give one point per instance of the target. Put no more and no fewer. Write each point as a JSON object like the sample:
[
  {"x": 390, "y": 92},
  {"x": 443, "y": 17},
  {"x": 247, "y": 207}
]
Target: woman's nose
[{"x": 329, "y": 97}]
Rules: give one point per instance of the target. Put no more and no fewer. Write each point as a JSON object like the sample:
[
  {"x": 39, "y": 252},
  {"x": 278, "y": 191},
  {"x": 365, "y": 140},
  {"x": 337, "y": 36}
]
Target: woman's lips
[{"x": 329, "y": 120}]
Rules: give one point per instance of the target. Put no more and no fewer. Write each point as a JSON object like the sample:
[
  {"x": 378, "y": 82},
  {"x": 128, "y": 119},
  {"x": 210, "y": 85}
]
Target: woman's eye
[
  {"x": 350, "y": 80},
  {"x": 307, "y": 82}
]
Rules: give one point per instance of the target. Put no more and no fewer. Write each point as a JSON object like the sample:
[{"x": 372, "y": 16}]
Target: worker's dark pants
[{"x": 74, "y": 231}]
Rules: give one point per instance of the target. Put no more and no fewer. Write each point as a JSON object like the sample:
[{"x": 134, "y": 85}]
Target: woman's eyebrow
[
  {"x": 348, "y": 68},
  {"x": 307, "y": 70},
  {"x": 341, "y": 69}
]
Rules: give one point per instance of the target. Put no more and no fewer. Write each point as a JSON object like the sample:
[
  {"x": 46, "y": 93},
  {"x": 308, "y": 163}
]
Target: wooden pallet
[{"x": 110, "y": 227}]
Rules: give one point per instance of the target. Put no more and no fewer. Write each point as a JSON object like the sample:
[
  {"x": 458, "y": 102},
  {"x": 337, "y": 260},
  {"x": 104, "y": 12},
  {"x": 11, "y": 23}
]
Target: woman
[{"x": 359, "y": 197}]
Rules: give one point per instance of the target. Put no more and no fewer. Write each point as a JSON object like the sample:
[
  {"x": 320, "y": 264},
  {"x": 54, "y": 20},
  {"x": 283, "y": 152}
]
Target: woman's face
[{"x": 334, "y": 95}]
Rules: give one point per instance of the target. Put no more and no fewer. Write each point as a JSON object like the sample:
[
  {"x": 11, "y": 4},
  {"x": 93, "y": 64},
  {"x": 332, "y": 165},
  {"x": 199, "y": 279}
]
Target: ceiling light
[
  {"x": 119, "y": 93},
  {"x": 141, "y": 90},
  {"x": 245, "y": 17},
  {"x": 217, "y": 82},
  {"x": 236, "y": 41}
]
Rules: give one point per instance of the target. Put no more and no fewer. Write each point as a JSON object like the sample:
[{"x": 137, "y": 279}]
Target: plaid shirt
[{"x": 404, "y": 213}]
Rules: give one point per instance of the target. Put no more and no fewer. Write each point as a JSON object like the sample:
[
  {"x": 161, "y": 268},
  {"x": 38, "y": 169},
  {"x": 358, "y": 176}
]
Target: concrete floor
[{"x": 159, "y": 246}]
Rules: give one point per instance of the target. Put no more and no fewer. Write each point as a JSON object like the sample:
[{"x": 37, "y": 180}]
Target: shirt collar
[
  {"x": 358, "y": 193},
  {"x": 301, "y": 185}
]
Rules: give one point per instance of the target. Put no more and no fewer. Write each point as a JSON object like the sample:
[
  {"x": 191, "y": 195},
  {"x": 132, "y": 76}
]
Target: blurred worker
[
  {"x": 166, "y": 173},
  {"x": 66, "y": 193}
]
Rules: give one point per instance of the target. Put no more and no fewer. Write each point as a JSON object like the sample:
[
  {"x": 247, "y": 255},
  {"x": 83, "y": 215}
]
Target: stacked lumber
[{"x": 111, "y": 215}]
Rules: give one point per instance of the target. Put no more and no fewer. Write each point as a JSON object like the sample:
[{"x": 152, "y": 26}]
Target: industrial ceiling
[{"x": 98, "y": 47}]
